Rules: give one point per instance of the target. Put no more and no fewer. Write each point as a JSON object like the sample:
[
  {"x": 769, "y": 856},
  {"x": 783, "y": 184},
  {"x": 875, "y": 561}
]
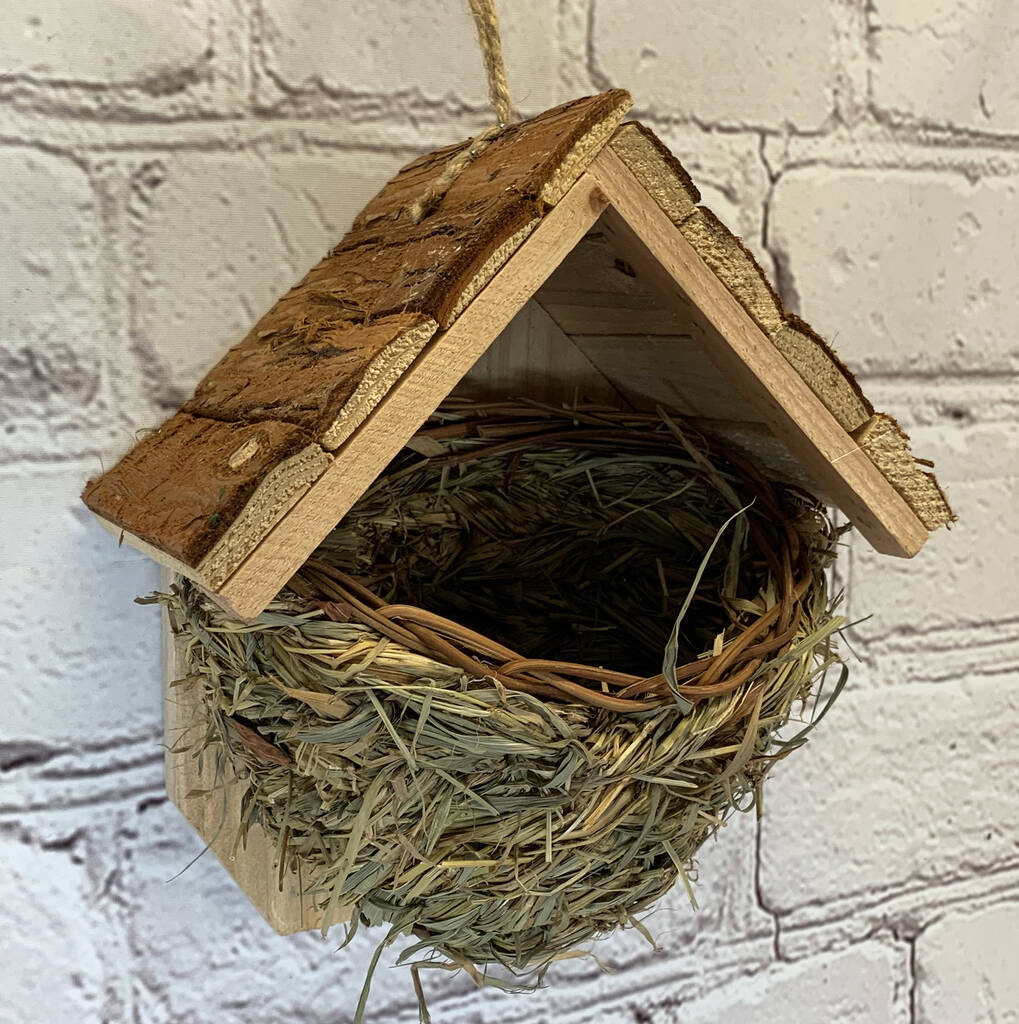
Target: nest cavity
[{"x": 526, "y": 677}]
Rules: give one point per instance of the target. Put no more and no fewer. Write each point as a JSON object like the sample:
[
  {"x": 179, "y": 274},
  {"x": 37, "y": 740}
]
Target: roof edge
[{"x": 813, "y": 359}]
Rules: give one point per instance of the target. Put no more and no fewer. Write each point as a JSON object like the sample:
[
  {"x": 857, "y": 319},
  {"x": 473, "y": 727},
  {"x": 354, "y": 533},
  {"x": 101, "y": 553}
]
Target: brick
[
  {"x": 219, "y": 238},
  {"x": 411, "y": 55},
  {"x": 908, "y": 271},
  {"x": 898, "y": 788},
  {"x": 51, "y": 364},
  {"x": 688, "y": 60},
  {"x": 54, "y": 794},
  {"x": 92, "y": 42},
  {"x": 965, "y": 968},
  {"x": 181, "y": 927},
  {"x": 821, "y": 927},
  {"x": 947, "y": 63},
  {"x": 82, "y": 659},
  {"x": 49, "y": 941},
  {"x": 901, "y": 811},
  {"x": 965, "y": 576},
  {"x": 860, "y": 985}
]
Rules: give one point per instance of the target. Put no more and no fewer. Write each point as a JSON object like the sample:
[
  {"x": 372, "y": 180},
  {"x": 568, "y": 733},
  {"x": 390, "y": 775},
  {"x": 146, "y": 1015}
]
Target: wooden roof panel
[
  {"x": 519, "y": 164},
  {"x": 313, "y": 368},
  {"x": 422, "y": 270},
  {"x": 319, "y": 371},
  {"x": 183, "y": 485},
  {"x": 270, "y": 423}
]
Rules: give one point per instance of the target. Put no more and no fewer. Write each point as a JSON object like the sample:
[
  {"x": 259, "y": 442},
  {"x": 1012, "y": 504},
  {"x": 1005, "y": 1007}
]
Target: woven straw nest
[{"x": 524, "y": 679}]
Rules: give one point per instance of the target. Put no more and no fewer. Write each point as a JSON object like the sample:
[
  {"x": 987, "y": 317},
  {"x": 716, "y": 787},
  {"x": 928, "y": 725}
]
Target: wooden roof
[{"x": 287, "y": 430}]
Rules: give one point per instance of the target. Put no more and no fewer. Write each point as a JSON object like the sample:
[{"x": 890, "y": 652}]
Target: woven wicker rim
[{"x": 344, "y": 599}]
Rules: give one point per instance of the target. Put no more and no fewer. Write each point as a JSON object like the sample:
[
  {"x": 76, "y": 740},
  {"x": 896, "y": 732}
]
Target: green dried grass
[{"x": 499, "y": 827}]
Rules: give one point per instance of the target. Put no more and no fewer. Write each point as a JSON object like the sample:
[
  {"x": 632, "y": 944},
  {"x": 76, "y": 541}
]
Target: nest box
[{"x": 569, "y": 262}]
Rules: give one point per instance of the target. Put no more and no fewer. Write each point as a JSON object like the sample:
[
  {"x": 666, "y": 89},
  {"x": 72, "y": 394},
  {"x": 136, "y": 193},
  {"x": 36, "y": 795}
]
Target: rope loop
[{"x": 486, "y": 20}]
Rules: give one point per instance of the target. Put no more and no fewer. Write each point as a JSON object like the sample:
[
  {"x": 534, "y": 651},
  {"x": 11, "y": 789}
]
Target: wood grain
[
  {"x": 585, "y": 313},
  {"x": 306, "y": 370},
  {"x": 239, "y": 489},
  {"x": 593, "y": 291},
  {"x": 651, "y": 243},
  {"x": 316, "y": 364},
  {"x": 637, "y": 341},
  {"x": 660, "y": 174},
  {"x": 183, "y": 485},
  {"x": 526, "y": 156},
  {"x": 533, "y": 358},
  {"x": 388, "y": 264},
  {"x": 668, "y": 370}
]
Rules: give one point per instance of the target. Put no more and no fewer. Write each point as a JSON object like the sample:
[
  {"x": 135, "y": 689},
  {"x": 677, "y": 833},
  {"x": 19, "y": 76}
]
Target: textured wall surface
[{"x": 166, "y": 169}]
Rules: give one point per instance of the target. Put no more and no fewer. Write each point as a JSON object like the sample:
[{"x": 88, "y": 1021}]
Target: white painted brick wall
[
  {"x": 954, "y": 244},
  {"x": 168, "y": 168},
  {"x": 124, "y": 59},
  {"x": 671, "y": 57},
  {"x": 216, "y": 238},
  {"x": 52, "y": 375},
  {"x": 966, "y": 968},
  {"x": 947, "y": 62},
  {"x": 862, "y": 985},
  {"x": 402, "y": 52},
  {"x": 974, "y": 579},
  {"x": 910, "y": 788},
  {"x": 90, "y": 682},
  {"x": 45, "y": 895},
  {"x": 53, "y": 42}
]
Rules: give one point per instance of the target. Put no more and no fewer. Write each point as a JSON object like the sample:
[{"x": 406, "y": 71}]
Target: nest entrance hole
[{"x": 561, "y": 549}]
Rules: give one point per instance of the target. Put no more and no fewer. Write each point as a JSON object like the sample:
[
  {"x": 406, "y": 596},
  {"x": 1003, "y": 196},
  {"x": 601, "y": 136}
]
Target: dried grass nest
[{"x": 524, "y": 679}]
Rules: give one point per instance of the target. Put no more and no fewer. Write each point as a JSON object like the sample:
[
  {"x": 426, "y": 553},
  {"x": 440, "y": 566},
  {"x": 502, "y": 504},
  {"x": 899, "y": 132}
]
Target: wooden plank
[
  {"x": 388, "y": 263},
  {"x": 656, "y": 249},
  {"x": 183, "y": 486},
  {"x": 533, "y": 358},
  {"x": 316, "y": 370},
  {"x": 596, "y": 270},
  {"x": 313, "y": 366},
  {"x": 672, "y": 371},
  {"x": 593, "y": 291},
  {"x": 526, "y": 158},
  {"x": 659, "y": 173},
  {"x": 214, "y": 812},
  {"x": 611, "y": 314},
  {"x": 757, "y": 443},
  {"x": 444, "y": 362}
]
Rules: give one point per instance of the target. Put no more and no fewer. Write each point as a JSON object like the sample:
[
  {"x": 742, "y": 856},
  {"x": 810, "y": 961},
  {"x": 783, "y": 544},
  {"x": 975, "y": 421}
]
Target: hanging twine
[{"x": 487, "y": 23}]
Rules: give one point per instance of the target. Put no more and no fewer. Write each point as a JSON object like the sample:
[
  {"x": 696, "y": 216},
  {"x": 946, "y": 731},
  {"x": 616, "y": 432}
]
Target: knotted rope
[{"x": 486, "y": 20}]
